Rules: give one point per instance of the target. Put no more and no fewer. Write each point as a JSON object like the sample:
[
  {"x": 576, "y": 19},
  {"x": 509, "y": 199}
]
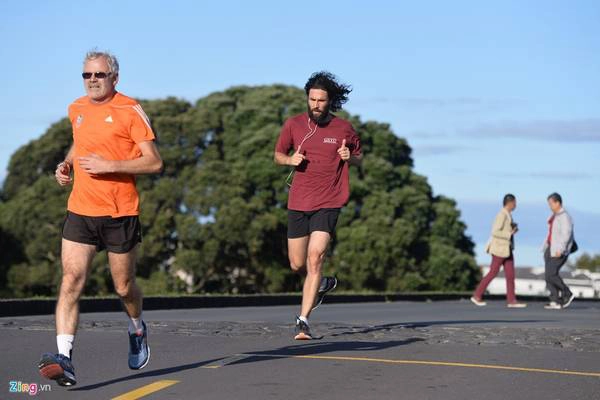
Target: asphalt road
[{"x": 403, "y": 350}]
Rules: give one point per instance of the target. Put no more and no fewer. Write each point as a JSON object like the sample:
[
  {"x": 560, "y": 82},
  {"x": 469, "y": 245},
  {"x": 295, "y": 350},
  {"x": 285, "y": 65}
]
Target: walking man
[
  {"x": 323, "y": 146},
  {"x": 558, "y": 245},
  {"x": 112, "y": 143},
  {"x": 501, "y": 246}
]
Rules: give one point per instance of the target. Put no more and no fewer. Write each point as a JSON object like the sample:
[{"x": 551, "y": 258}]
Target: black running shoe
[
  {"x": 302, "y": 330},
  {"x": 328, "y": 283},
  {"x": 57, "y": 367},
  {"x": 568, "y": 300}
]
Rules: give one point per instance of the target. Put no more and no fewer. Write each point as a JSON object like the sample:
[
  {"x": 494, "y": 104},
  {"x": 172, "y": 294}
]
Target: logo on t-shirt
[
  {"x": 79, "y": 121},
  {"x": 108, "y": 119},
  {"x": 330, "y": 140}
]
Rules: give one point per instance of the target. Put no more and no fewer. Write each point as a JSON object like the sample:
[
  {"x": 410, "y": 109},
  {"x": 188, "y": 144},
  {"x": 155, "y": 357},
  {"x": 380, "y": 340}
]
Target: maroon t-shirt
[{"x": 321, "y": 181}]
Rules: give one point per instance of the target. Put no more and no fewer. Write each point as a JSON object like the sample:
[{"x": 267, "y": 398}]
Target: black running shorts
[
  {"x": 116, "y": 235},
  {"x": 303, "y": 223}
]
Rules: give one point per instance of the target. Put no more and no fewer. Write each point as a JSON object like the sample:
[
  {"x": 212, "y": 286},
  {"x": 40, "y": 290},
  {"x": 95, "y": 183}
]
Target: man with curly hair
[{"x": 321, "y": 147}]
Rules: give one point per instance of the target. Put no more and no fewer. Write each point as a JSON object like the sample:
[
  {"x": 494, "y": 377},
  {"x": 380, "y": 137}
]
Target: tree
[
  {"x": 217, "y": 215},
  {"x": 591, "y": 262},
  {"x": 11, "y": 253}
]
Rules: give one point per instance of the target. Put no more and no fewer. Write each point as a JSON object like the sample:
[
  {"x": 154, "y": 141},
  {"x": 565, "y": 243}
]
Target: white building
[{"x": 531, "y": 282}]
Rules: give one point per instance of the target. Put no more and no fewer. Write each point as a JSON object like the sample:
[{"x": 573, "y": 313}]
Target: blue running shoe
[
  {"x": 57, "y": 367},
  {"x": 139, "y": 351}
]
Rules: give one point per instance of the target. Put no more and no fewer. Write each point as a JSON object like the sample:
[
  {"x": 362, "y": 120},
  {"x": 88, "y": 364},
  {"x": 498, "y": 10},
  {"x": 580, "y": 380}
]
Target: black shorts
[
  {"x": 303, "y": 223},
  {"x": 116, "y": 235}
]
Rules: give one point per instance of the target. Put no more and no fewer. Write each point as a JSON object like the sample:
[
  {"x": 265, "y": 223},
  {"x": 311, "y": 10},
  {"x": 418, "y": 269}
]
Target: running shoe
[
  {"x": 568, "y": 300},
  {"x": 553, "y": 306},
  {"x": 302, "y": 330},
  {"x": 478, "y": 302},
  {"x": 328, "y": 283},
  {"x": 57, "y": 367},
  {"x": 139, "y": 351}
]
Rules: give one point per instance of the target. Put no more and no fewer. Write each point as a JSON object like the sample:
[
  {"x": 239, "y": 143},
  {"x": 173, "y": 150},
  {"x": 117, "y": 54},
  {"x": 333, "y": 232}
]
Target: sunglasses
[{"x": 98, "y": 75}]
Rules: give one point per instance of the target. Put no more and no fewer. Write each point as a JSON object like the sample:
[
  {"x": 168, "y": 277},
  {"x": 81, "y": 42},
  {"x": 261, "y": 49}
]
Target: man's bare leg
[
  {"x": 317, "y": 247},
  {"x": 298, "y": 253},
  {"x": 122, "y": 269},
  {"x": 76, "y": 261}
]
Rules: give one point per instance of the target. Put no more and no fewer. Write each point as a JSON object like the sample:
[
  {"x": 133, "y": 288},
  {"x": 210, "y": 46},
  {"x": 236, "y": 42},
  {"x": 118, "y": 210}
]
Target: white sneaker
[
  {"x": 479, "y": 303},
  {"x": 553, "y": 306}
]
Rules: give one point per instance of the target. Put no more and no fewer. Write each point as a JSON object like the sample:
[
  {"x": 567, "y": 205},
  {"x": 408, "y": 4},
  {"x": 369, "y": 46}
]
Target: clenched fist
[
  {"x": 63, "y": 173},
  {"x": 296, "y": 159}
]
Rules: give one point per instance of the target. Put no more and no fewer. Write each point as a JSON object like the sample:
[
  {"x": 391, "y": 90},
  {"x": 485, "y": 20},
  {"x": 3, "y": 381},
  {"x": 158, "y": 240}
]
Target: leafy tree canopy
[
  {"x": 587, "y": 261},
  {"x": 215, "y": 220}
]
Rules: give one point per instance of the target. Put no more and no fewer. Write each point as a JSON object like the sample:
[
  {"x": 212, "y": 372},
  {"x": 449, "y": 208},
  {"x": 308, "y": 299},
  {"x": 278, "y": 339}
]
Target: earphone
[{"x": 311, "y": 133}]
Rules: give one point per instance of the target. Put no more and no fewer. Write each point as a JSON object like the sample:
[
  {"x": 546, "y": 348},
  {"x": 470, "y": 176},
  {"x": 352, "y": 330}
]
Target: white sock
[
  {"x": 65, "y": 344},
  {"x": 135, "y": 324},
  {"x": 303, "y": 319}
]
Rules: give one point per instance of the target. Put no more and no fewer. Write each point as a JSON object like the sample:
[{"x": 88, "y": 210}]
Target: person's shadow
[
  {"x": 314, "y": 347},
  {"x": 424, "y": 324},
  {"x": 317, "y": 348},
  {"x": 146, "y": 374},
  {"x": 309, "y": 348}
]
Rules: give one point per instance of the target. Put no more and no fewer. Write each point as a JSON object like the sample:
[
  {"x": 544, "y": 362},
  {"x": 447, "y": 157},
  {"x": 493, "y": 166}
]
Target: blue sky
[{"x": 494, "y": 97}]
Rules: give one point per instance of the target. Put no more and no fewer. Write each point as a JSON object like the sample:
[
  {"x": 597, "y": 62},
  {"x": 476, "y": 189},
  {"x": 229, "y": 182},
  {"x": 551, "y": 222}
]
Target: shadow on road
[
  {"x": 425, "y": 324},
  {"x": 312, "y": 348},
  {"x": 287, "y": 351},
  {"x": 158, "y": 372},
  {"x": 308, "y": 348}
]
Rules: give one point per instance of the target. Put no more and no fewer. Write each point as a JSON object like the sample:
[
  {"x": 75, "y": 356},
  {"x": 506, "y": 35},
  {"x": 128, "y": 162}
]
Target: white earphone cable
[{"x": 311, "y": 133}]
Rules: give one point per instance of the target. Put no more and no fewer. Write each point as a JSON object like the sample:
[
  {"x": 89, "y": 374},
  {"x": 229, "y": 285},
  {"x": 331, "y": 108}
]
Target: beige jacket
[{"x": 500, "y": 243}]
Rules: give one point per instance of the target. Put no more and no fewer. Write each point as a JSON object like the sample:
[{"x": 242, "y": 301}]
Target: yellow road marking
[
  {"x": 159, "y": 385},
  {"x": 145, "y": 390},
  {"x": 435, "y": 363}
]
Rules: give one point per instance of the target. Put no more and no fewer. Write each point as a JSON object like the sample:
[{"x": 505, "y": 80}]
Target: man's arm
[
  {"x": 149, "y": 163},
  {"x": 69, "y": 156},
  {"x": 284, "y": 144},
  {"x": 565, "y": 229},
  {"x": 498, "y": 230}
]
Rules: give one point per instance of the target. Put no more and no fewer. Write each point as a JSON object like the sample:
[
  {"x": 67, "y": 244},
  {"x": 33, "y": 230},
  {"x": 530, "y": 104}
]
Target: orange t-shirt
[{"x": 111, "y": 130}]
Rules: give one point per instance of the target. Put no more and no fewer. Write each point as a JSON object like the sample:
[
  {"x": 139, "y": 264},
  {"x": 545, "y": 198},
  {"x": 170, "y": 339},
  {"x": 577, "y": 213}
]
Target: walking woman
[{"x": 501, "y": 246}]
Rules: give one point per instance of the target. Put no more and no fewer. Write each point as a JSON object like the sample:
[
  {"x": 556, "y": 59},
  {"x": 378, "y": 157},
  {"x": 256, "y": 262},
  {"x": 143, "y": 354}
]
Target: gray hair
[{"x": 111, "y": 60}]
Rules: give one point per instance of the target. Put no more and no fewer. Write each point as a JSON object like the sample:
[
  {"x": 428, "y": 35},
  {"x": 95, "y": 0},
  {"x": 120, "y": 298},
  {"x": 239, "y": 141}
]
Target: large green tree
[
  {"x": 215, "y": 220},
  {"x": 591, "y": 262}
]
